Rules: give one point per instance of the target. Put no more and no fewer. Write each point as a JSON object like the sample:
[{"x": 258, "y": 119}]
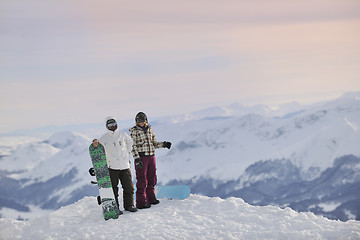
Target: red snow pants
[{"x": 146, "y": 181}]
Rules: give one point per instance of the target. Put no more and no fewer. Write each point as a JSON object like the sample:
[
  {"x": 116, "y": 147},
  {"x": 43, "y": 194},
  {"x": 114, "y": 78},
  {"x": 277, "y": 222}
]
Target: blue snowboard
[{"x": 171, "y": 192}]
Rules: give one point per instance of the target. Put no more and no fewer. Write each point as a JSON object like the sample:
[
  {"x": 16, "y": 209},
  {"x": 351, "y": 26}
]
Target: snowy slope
[
  {"x": 10, "y": 143},
  {"x": 197, "y": 217},
  {"x": 223, "y": 148},
  {"x": 47, "y": 174},
  {"x": 218, "y": 152},
  {"x": 35, "y": 153}
]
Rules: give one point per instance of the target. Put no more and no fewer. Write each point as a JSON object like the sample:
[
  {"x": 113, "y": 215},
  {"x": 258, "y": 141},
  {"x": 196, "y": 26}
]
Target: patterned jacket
[{"x": 145, "y": 142}]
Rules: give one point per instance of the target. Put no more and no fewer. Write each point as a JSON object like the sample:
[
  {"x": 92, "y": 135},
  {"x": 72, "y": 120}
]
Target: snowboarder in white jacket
[{"x": 117, "y": 146}]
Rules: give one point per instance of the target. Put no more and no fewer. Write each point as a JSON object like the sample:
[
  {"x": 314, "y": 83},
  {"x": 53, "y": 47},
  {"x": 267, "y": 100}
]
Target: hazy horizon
[{"x": 65, "y": 62}]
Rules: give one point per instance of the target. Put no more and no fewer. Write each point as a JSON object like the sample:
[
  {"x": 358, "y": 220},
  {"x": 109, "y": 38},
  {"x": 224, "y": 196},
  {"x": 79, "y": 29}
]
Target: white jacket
[{"x": 117, "y": 147}]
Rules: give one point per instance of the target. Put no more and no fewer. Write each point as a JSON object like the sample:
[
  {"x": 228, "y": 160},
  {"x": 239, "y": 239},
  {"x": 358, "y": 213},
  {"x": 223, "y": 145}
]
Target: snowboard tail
[{"x": 110, "y": 208}]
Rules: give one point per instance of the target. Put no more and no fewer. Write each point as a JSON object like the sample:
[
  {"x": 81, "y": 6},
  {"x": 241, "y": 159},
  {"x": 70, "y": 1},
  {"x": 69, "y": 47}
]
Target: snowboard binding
[{"x": 92, "y": 173}]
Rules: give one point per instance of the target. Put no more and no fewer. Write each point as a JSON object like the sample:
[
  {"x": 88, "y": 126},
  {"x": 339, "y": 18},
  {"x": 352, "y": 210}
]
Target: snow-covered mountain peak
[
  {"x": 238, "y": 110},
  {"x": 351, "y": 95},
  {"x": 223, "y": 148},
  {"x": 69, "y": 153},
  {"x": 249, "y": 152},
  {"x": 65, "y": 139},
  {"x": 27, "y": 156}
]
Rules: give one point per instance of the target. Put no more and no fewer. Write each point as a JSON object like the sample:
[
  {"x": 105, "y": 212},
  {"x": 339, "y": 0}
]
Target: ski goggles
[
  {"x": 140, "y": 120},
  {"x": 113, "y": 124}
]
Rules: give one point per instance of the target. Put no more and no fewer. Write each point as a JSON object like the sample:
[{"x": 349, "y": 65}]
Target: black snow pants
[{"x": 126, "y": 182}]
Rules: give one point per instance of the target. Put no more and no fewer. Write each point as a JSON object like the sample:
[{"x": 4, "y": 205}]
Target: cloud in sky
[{"x": 79, "y": 61}]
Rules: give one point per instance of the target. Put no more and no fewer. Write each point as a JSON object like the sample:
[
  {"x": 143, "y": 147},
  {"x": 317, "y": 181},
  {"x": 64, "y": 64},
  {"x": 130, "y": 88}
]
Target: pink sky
[{"x": 63, "y": 61}]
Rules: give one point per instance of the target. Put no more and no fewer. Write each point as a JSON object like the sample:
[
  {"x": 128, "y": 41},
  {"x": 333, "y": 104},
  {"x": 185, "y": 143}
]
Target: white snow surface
[
  {"x": 217, "y": 143},
  {"x": 28, "y": 156},
  {"x": 10, "y": 143},
  {"x": 197, "y": 217},
  {"x": 312, "y": 138}
]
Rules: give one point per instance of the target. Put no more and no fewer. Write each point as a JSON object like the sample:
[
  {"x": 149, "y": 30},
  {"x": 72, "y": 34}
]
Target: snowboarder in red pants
[{"x": 143, "y": 151}]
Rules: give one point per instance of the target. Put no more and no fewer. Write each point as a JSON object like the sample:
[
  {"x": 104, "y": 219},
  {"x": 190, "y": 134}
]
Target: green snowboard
[{"x": 108, "y": 203}]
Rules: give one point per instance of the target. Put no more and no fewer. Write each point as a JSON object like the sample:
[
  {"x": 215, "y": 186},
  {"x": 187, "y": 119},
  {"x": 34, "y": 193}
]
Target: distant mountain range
[{"x": 306, "y": 158}]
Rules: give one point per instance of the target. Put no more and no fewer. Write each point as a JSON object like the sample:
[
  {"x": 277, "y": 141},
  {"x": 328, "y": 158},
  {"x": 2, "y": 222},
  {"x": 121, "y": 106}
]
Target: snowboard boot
[
  {"x": 145, "y": 206},
  {"x": 155, "y": 202},
  {"x": 131, "y": 209},
  {"x": 117, "y": 203}
]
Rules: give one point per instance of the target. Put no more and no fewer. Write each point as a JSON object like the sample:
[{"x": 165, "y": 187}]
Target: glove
[
  {"x": 92, "y": 171},
  {"x": 138, "y": 163},
  {"x": 167, "y": 145}
]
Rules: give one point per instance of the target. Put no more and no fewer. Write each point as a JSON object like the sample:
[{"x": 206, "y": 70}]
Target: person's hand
[
  {"x": 167, "y": 145},
  {"x": 138, "y": 163},
  {"x": 92, "y": 171},
  {"x": 95, "y": 142}
]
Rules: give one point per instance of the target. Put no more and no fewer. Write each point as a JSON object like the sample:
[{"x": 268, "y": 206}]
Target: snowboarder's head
[
  {"x": 141, "y": 119},
  {"x": 111, "y": 123}
]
